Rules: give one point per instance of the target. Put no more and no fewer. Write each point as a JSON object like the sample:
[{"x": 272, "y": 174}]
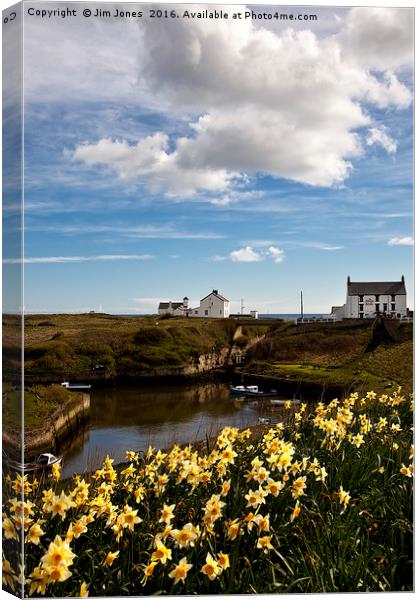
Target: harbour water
[{"x": 132, "y": 418}]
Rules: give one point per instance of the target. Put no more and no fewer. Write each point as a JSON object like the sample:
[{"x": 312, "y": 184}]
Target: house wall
[
  {"x": 214, "y": 307},
  {"x": 370, "y": 306}
]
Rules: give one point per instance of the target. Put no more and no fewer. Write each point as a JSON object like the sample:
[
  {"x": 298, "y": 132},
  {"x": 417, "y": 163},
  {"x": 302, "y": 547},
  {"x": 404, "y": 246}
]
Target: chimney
[
  {"x": 215, "y": 292},
  {"x": 185, "y": 301},
  {"x": 348, "y": 279},
  {"x": 402, "y": 279}
]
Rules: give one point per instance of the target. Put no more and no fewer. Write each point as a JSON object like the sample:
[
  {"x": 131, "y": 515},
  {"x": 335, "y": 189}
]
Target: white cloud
[
  {"x": 379, "y": 135},
  {"x": 401, "y": 241},
  {"x": 248, "y": 254},
  {"x": 276, "y": 253},
  {"x": 77, "y": 259},
  {"x": 284, "y": 102}
]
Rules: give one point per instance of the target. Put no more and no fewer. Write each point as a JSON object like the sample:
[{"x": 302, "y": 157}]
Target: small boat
[
  {"x": 250, "y": 391},
  {"x": 76, "y": 387},
  {"x": 43, "y": 461}
]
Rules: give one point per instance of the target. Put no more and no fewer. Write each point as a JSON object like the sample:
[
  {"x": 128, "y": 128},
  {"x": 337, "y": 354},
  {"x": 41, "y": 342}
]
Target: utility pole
[{"x": 301, "y": 305}]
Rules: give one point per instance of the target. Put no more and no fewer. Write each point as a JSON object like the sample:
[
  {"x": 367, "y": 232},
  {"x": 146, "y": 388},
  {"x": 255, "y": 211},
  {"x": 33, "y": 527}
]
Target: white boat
[
  {"x": 76, "y": 387},
  {"x": 44, "y": 461},
  {"x": 250, "y": 391}
]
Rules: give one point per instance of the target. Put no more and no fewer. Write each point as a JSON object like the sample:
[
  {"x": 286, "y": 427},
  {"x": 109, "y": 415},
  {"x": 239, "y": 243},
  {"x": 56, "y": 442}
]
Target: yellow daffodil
[
  {"x": 298, "y": 487},
  {"x": 344, "y": 497},
  {"x": 264, "y": 543},
  {"x": 211, "y": 568},
  {"x": 83, "y": 592},
  {"x": 148, "y": 571},
  {"x": 162, "y": 553},
  {"x": 179, "y": 573},
  {"x": 35, "y": 533},
  {"x": 186, "y": 536},
  {"x": 223, "y": 560},
  {"x": 296, "y": 511},
  {"x": 110, "y": 557}
]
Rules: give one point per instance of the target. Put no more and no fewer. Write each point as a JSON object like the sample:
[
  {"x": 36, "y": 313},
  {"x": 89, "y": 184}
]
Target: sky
[{"x": 168, "y": 157}]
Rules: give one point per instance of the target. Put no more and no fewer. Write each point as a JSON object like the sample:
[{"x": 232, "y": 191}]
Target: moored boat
[
  {"x": 42, "y": 462},
  {"x": 76, "y": 387},
  {"x": 251, "y": 391}
]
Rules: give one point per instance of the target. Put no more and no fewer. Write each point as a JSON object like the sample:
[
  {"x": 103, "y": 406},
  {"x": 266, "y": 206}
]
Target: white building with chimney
[
  {"x": 365, "y": 300},
  {"x": 214, "y": 306},
  {"x": 174, "y": 309}
]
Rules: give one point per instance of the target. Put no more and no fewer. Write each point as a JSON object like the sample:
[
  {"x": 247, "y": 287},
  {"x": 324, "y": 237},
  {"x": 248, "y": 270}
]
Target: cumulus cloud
[
  {"x": 379, "y": 135},
  {"x": 248, "y": 254},
  {"x": 286, "y": 103},
  {"x": 401, "y": 241}
]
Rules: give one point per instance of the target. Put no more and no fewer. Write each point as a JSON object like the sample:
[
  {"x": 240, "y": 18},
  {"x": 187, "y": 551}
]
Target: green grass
[
  {"x": 334, "y": 357},
  {"x": 112, "y": 346},
  {"x": 40, "y": 403}
]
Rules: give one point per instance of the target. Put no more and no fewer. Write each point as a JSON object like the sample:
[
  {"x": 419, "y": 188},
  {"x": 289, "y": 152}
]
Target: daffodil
[
  {"x": 256, "y": 497},
  {"x": 56, "y": 471},
  {"x": 35, "y": 533},
  {"x": 344, "y": 497},
  {"x": 59, "y": 552},
  {"x": 83, "y": 592},
  {"x": 162, "y": 553},
  {"x": 223, "y": 560},
  {"x": 211, "y": 568},
  {"x": 296, "y": 511},
  {"x": 298, "y": 487},
  {"x": 148, "y": 571},
  {"x": 233, "y": 529},
  {"x": 38, "y": 581},
  {"x": 186, "y": 536},
  {"x": 9, "y": 530},
  {"x": 110, "y": 557},
  {"x": 167, "y": 514},
  {"x": 179, "y": 573},
  {"x": 264, "y": 543}
]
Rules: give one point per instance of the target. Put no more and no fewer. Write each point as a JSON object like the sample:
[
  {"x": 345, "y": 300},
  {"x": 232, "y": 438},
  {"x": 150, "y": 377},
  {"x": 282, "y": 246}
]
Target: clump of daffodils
[{"x": 168, "y": 520}]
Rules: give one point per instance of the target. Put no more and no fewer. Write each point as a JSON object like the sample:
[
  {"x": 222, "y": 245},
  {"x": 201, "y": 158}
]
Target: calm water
[{"x": 133, "y": 418}]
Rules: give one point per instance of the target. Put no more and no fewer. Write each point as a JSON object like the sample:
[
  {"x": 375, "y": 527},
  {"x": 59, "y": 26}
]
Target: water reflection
[{"x": 134, "y": 418}]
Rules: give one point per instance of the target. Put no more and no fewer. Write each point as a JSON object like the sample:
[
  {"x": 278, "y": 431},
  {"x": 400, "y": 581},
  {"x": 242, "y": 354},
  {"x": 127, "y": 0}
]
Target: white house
[
  {"x": 367, "y": 299},
  {"x": 214, "y": 305},
  {"x": 175, "y": 309}
]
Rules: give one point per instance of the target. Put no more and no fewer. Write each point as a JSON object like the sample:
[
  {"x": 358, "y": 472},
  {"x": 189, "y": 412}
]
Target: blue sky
[{"x": 150, "y": 175}]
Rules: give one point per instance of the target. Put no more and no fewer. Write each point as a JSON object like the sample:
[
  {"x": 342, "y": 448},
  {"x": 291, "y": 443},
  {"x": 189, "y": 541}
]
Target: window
[
  {"x": 392, "y": 297},
  {"x": 206, "y": 312},
  {"x": 361, "y": 298},
  {"x": 376, "y": 297},
  {"x": 377, "y": 309},
  {"x": 385, "y": 308},
  {"x": 393, "y": 307},
  {"x": 361, "y": 315}
]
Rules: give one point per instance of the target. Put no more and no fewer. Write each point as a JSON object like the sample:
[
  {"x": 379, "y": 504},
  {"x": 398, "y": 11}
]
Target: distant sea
[{"x": 288, "y": 315}]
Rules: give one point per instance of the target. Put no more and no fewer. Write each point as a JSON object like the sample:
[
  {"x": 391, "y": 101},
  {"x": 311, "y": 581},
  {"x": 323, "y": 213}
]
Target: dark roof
[
  {"x": 175, "y": 305},
  {"x": 376, "y": 287},
  {"x": 215, "y": 293}
]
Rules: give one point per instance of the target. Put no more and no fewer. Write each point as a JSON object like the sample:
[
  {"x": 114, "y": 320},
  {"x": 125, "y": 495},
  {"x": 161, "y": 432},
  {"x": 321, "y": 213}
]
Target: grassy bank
[
  {"x": 320, "y": 503},
  {"x": 333, "y": 357},
  {"x": 40, "y": 403},
  {"x": 105, "y": 346}
]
